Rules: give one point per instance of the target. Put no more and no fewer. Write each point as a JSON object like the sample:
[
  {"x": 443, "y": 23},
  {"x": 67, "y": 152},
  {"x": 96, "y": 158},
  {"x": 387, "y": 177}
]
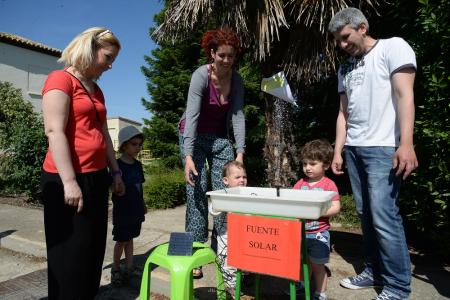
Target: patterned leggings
[{"x": 216, "y": 152}]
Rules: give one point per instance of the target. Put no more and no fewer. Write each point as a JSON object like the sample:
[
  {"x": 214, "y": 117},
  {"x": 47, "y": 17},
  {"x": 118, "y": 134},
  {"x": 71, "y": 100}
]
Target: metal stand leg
[
  {"x": 305, "y": 266},
  {"x": 257, "y": 286},
  {"x": 237, "y": 290},
  {"x": 292, "y": 291}
]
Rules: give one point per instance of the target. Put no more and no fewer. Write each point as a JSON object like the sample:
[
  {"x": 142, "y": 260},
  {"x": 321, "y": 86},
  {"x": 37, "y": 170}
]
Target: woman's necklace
[{"x": 88, "y": 83}]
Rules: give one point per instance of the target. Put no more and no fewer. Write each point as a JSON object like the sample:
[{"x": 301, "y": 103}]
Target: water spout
[{"x": 278, "y": 190}]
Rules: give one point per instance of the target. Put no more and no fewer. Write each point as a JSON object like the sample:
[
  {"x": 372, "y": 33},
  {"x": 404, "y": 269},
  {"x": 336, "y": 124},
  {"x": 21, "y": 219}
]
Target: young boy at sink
[
  {"x": 233, "y": 175},
  {"x": 316, "y": 157}
]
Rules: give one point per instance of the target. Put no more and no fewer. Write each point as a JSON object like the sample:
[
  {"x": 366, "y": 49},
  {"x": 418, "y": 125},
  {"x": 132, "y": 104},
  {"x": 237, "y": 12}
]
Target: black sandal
[{"x": 116, "y": 278}]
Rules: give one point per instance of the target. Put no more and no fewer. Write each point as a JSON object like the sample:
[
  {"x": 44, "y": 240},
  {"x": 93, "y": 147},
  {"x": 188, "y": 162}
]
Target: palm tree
[{"x": 289, "y": 35}]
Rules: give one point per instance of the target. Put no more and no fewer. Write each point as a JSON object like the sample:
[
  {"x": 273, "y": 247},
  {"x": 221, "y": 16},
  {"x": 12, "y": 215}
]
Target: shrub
[
  {"x": 425, "y": 197},
  {"x": 165, "y": 189},
  {"x": 22, "y": 143},
  {"x": 347, "y": 216},
  {"x": 156, "y": 166},
  {"x": 255, "y": 166},
  {"x": 171, "y": 162}
]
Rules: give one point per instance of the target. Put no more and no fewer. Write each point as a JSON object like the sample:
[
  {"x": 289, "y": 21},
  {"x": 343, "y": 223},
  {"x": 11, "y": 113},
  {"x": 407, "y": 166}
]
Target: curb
[{"x": 17, "y": 243}]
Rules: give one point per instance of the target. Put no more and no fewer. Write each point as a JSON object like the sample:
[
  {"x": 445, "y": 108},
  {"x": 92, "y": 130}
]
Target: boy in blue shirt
[{"x": 129, "y": 209}]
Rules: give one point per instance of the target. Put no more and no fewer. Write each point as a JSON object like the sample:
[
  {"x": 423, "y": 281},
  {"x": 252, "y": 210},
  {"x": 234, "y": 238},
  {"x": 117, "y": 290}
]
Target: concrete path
[{"x": 23, "y": 273}]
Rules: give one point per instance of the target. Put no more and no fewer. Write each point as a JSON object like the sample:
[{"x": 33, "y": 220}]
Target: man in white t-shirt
[{"x": 375, "y": 129}]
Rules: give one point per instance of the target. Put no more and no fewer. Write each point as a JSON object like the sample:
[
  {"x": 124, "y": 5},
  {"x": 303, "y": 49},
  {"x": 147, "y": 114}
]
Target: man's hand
[
  {"x": 336, "y": 164},
  {"x": 405, "y": 161}
]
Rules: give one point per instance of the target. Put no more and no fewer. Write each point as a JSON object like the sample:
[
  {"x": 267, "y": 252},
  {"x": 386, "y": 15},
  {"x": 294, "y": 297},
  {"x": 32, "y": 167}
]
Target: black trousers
[{"x": 75, "y": 241}]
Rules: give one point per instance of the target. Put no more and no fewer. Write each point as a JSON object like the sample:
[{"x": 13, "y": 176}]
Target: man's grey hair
[{"x": 348, "y": 16}]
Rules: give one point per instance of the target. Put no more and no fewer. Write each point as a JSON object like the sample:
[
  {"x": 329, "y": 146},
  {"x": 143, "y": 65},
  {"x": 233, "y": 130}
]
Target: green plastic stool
[{"x": 180, "y": 267}]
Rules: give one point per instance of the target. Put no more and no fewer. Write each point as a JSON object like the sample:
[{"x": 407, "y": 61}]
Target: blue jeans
[{"x": 376, "y": 193}]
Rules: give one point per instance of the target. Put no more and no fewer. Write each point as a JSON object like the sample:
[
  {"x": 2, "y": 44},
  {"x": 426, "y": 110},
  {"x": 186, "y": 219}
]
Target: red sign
[{"x": 264, "y": 245}]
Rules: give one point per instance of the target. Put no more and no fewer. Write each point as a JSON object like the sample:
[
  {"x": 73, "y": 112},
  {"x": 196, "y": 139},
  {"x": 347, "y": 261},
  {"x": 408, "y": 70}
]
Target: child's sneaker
[
  {"x": 360, "y": 281},
  {"x": 386, "y": 296},
  {"x": 231, "y": 293},
  {"x": 319, "y": 296},
  {"x": 129, "y": 273},
  {"x": 116, "y": 277}
]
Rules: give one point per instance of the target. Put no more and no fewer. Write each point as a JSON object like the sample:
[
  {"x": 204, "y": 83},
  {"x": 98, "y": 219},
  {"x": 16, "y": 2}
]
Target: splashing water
[{"x": 279, "y": 125}]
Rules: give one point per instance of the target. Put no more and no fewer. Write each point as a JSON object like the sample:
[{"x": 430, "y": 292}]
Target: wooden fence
[{"x": 145, "y": 157}]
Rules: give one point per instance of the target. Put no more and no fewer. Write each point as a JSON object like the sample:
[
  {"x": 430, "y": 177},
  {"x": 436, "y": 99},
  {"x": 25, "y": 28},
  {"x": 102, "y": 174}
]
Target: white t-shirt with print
[{"x": 372, "y": 106}]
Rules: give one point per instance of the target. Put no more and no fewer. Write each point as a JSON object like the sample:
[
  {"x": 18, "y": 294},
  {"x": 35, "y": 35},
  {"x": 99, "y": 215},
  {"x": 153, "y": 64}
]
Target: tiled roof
[{"x": 22, "y": 42}]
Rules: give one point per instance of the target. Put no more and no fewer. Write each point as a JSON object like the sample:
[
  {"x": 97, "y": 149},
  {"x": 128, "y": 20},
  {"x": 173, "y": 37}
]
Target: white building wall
[{"x": 27, "y": 70}]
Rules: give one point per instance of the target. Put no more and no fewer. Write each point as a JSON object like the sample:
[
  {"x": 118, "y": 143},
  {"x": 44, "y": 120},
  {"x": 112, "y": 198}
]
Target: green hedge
[
  {"x": 425, "y": 196},
  {"x": 164, "y": 188},
  {"x": 347, "y": 217},
  {"x": 22, "y": 144}
]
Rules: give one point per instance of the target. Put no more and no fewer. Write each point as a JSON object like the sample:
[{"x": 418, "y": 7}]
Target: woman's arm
[
  {"x": 118, "y": 185},
  {"x": 55, "y": 110},
  {"x": 194, "y": 103},
  {"x": 193, "y": 107},
  {"x": 238, "y": 117}
]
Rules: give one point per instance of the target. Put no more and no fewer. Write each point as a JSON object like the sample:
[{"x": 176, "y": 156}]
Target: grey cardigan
[{"x": 199, "y": 83}]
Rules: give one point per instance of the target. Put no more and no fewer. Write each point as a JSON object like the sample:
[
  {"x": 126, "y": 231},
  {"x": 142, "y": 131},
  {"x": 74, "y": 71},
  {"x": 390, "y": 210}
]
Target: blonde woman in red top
[{"x": 75, "y": 178}]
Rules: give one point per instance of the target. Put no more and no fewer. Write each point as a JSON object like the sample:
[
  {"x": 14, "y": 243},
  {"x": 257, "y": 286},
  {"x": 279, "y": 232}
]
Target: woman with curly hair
[{"x": 216, "y": 97}]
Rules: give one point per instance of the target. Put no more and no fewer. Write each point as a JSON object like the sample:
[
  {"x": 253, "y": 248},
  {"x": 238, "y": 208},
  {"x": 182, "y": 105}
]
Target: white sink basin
[{"x": 300, "y": 204}]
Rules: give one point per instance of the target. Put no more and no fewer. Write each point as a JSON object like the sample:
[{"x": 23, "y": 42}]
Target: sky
[{"x": 56, "y": 22}]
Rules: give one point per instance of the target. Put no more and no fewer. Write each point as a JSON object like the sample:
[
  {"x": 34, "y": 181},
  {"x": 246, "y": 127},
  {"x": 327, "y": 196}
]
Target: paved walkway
[{"x": 21, "y": 230}]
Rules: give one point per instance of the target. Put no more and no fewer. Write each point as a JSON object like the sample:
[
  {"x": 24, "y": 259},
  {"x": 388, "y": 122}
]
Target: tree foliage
[
  {"x": 22, "y": 143},
  {"x": 168, "y": 72},
  {"x": 426, "y": 196},
  {"x": 272, "y": 30}
]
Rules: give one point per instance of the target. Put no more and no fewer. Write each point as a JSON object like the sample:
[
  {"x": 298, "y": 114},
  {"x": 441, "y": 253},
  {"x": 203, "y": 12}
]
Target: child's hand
[{"x": 333, "y": 210}]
